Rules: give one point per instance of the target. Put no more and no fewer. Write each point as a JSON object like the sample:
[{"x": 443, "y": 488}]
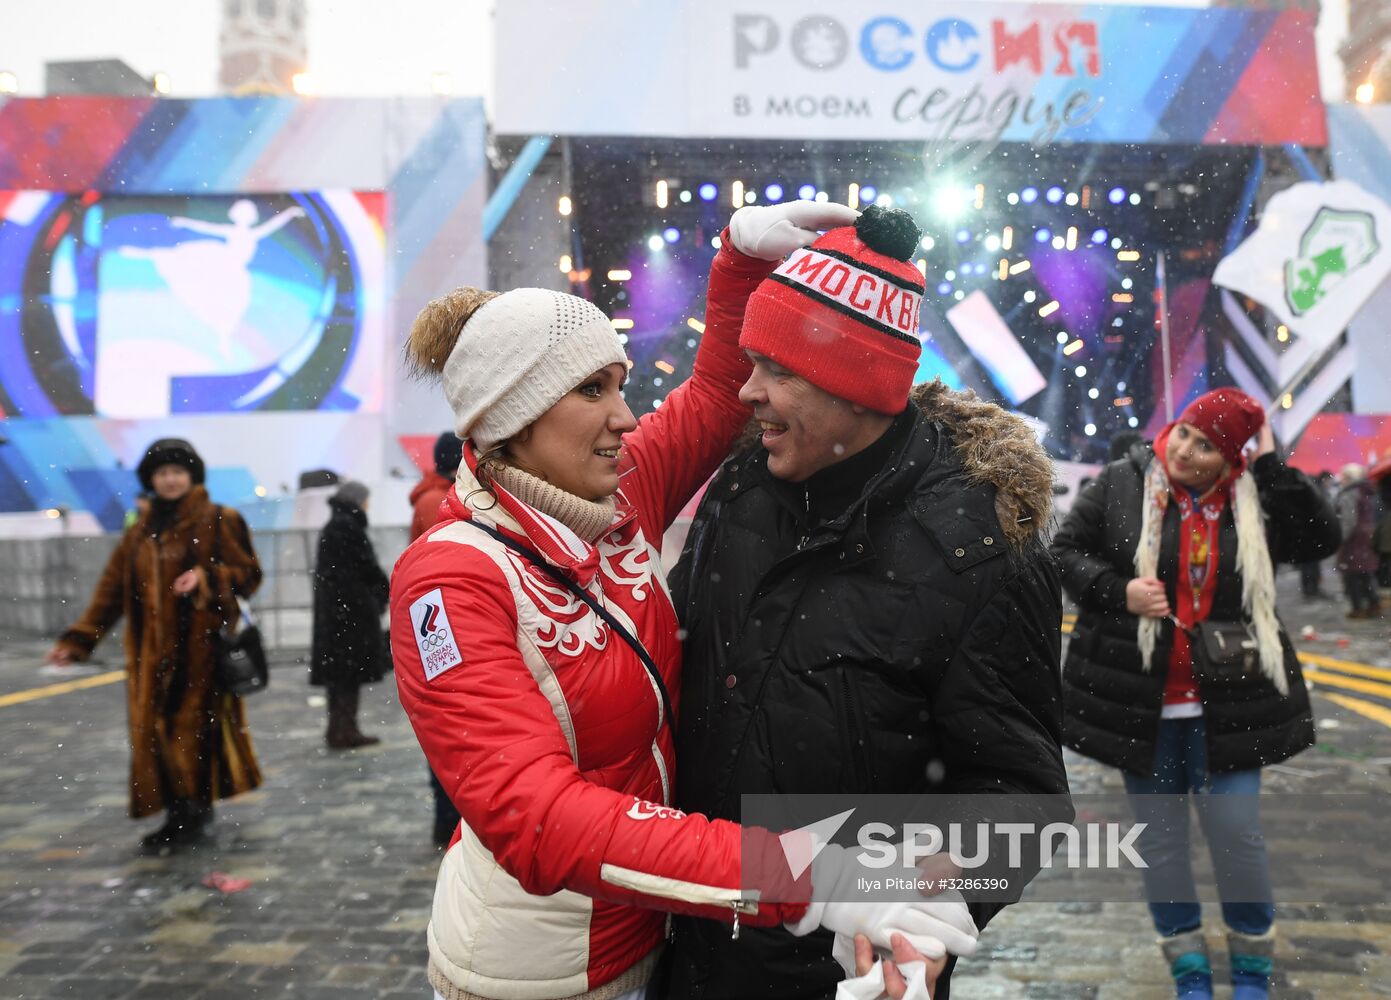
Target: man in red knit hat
[{"x": 868, "y": 603}]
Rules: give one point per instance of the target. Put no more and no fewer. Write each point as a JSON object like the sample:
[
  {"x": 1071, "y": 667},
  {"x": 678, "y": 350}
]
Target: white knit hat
[{"x": 518, "y": 354}]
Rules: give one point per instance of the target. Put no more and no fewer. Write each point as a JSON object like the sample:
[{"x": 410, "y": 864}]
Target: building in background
[{"x": 263, "y": 44}]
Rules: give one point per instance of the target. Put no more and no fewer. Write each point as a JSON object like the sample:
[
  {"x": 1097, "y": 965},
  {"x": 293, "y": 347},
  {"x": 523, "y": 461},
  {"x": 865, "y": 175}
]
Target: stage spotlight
[
  {"x": 885, "y": 200},
  {"x": 1089, "y": 430},
  {"x": 1054, "y": 195},
  {"x": 655, "y": 243},
  {"x": 1029, "y": 195},
  {"x": 1071, "y": 198},
  {"x": 1043, "y": 235},
  {"x": 1030, "y": 295},
  {"x": 1135, "y": 197},
  {"x": 1094, "y": 393},
  {"x": 1134, "y": 421},
  {"x": 944, "y": 288},
  {"x": 1126, "y": 283},
  {"x": 708, "y": 192},
  {"x": 1116, "y": 243},
  {"x": 736, "y": 194},
  {"x": 750, "y": 197},
  {"x": 1012, "y": 198},
  {"x": 868, "y": 192},
  {"x": 1058, "y": 242},
  {"x": 1062, "y": 337},
  {"x": 685, "y": 197},
  {"x": 806, "y": 192},
  {"x": 773, "y": 192},
  {"x": 1099, "y": 236},
  {"x": 927, "y": 243},
  {"x": 950, "y": 200},
  {"x": 1120, "y": 386},
  {"x": 1080, "y": 371},
  {"x": 992, "y": 243},
  {"x": 1116, "y": 196},
  {"x": 671, "y": 234},
  {"x": 963, "y": 236},
  {"x": 950, "y": 275}
]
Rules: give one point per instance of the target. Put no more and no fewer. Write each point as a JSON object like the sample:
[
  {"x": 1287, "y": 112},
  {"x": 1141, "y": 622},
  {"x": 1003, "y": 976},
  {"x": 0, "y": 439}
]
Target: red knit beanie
[
  {"x": 1229, "y": 418},
  {"x": 843, "y": 312}
]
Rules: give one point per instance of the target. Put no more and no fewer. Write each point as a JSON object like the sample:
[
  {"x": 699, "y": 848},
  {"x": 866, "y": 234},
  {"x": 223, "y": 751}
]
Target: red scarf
[{"x": 1200, "y": 524}]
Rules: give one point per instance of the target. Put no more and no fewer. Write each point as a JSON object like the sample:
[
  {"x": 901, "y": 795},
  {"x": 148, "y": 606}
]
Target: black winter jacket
[
  {"x": 908, "y": 646},
  {"x": 1112, "y": 704},
  {"x": 350, "y": 593}
]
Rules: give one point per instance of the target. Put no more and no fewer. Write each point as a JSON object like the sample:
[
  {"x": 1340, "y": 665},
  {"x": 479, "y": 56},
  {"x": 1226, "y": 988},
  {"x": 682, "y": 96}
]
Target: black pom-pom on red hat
[{"x": 889, "y": 231}]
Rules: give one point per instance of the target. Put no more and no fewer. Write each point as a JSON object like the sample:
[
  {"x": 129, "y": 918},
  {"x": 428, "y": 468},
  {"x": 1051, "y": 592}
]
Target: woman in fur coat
[
  {"x": 175, "y": 576},
  {"x": 1160, "y": 541}
]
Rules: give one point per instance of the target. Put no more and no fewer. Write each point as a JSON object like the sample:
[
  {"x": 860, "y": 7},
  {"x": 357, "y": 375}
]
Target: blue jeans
[{"x": 1229, "y": 812}]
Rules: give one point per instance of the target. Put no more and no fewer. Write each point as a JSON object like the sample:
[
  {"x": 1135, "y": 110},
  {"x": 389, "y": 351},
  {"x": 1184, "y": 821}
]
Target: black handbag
[
  {"x": 240, "y": 663},
  {"x": 1224, "y": 653},
  {"x": 239, "y": 656}
]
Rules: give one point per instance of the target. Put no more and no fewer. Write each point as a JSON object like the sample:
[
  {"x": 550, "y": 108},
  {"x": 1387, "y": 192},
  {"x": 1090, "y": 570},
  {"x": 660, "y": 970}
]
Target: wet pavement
[{"x": 334, "y": 854}]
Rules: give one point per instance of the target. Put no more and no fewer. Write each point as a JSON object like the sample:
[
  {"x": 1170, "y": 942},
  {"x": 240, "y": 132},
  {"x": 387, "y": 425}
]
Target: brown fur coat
[{"x": 188, "y": 739}]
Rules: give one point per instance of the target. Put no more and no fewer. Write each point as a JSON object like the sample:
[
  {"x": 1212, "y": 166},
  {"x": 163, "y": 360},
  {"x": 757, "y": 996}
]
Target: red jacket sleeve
[
  {"x": 491, "y": 737},
  {"x": 677, "y": 447}
]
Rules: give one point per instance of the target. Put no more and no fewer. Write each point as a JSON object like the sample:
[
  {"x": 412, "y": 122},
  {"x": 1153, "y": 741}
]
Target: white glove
[
  {"x": 934, "y": 926},
  {"x": 771, "y": 232}
]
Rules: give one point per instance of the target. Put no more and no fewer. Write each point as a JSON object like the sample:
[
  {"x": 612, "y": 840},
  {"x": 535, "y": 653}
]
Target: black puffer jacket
[
  {"x": 350, "y": 594},
  {"x": 1112, "y": 704},
  {"x": 908, "y": 646}
]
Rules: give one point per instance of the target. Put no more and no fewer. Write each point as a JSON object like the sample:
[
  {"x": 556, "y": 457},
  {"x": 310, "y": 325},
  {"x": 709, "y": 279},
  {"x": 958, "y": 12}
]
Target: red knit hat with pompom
[{"x": 843, "y": 312}]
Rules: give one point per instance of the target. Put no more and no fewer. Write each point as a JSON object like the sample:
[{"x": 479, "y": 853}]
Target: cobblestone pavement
[{"x": 336, "y": 849}]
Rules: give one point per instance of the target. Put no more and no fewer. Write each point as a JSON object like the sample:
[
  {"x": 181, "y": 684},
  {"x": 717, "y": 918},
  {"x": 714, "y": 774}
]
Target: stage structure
[
  {"x": 239, "y": 272},
  {"x": 1059, "y": 159}
]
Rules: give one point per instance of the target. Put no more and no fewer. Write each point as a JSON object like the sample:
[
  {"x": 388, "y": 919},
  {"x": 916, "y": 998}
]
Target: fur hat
[
  {"x": 352, "y": 493},
  {"x": 843, "y": 312},
  {"x": 507, "y": 358},
  {"x": 169, "y": 451}
]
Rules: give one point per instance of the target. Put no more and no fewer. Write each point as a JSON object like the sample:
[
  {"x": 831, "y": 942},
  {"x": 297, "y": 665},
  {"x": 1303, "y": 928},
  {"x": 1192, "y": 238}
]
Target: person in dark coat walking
[
  {"x": 1357, "y": 556},
  {"x": 1184, "y": 533},
  {"x": 868, "y": 603},
  {"x": 350, "y": 594}
]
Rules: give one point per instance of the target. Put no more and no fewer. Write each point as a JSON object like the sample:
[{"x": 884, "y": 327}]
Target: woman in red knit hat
[{"x": 1162, "y": 547}]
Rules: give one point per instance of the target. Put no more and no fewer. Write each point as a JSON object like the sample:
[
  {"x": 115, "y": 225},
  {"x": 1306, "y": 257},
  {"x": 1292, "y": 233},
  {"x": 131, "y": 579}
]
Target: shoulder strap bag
[{"x": 239, "y": 665}]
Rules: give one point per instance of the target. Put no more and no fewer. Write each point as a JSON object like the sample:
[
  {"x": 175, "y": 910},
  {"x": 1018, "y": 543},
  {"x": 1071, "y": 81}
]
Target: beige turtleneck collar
[{"x": 587, "y": 518}]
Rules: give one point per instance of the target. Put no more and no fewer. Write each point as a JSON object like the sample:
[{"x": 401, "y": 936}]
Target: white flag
[{"x": 1317, "y": 256}]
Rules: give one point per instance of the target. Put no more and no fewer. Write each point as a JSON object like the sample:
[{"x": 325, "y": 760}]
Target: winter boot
[
  {"x": 183, "y": 825},
  {"x": 352, "y": 736},
  {"x": 337, "y": 736},
  {"x": 1253, "y": 959},
  {"x": 1186, "y": 954}
]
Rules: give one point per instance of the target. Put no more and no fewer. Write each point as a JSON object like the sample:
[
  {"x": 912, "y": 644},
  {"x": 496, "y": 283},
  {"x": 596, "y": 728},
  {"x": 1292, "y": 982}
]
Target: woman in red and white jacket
[{"x": 550, "y": 728}]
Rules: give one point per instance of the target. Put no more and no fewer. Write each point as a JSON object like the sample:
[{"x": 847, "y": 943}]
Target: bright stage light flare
[
  {"x": 1128, "y": 255},
  {"x": 622, "y": 323},
  {"x": 950, "y": 200},
  {"x": 303, "y": 84},
  {"x": 1366, "y": 93},
  {"x": 1048, "y": 309},
  {"x": 620, "y": 274},
  {"x": 695, "y": 325}
]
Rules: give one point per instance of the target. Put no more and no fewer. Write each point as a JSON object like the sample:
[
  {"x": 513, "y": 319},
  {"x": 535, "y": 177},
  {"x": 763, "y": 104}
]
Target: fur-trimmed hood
[{"x": 999, "y": 448}]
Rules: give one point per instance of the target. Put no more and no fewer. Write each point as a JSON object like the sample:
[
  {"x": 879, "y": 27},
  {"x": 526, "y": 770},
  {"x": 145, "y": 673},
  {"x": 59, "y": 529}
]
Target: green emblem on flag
[{"x": 1335, "y": 244}]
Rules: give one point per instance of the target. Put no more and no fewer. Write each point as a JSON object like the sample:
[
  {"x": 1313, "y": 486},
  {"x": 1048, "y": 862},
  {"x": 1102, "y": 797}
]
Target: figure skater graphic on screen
[{"x": 212, "y": 278}]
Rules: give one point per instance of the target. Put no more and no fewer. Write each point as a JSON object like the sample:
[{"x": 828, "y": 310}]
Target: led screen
[{"x": 147, "y": 306}]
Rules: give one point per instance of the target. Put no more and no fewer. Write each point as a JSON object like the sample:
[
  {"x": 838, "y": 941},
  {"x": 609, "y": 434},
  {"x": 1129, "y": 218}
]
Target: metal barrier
[{"x": 45, "y": 583}]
